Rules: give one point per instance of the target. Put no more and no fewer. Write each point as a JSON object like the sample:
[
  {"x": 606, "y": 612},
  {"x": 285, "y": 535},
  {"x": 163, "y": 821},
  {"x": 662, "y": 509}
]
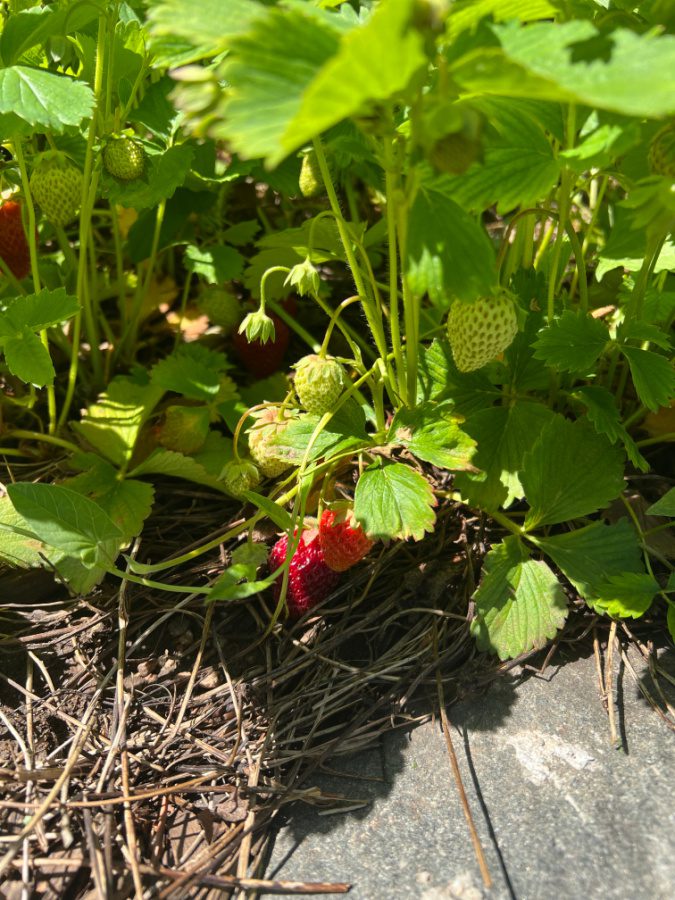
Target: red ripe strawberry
[
  {"x": 262, "y": 360},
  {"x": 309, "y": 579},
  {"x": 13, "y": 242},
  {"x": 343, "y": 541}
]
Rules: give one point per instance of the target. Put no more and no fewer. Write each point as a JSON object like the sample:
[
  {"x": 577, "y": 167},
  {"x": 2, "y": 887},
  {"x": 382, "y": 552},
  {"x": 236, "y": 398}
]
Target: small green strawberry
[
  {"x": 124, "y": 158},
  {"x": 185, "y": 428},
  {"x": 319, "y": 381},
  {"x": 222, "y": 308},
  {"x": 455, "y": 153},
  {"x": 310, "y": 181},
  {"x": 661, "y": 156},
  {"x": 480, "y": 330},
  {"x": 56, "y": 185},
  {"x": 260, "y": 437},
  {"x": 239, "y": 476}
]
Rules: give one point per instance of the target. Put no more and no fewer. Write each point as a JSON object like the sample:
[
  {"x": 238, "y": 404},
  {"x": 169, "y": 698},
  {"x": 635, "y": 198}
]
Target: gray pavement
[{"x": 559, "y": 811}]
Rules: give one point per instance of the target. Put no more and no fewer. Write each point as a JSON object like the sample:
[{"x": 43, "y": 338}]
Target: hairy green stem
[{"x": 35, "y": 271}]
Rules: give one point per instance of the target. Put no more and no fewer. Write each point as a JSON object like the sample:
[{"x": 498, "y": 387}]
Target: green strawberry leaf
[
  {"x": 113, "y": 423},
  {"x": 44, "y": 99},
  {"x": 665, "y": 506},
  {"x": 590, "y": 557},
  {"x": 570, "y": 471},
  {"x": 520, "y": 604},
  {"x": 448, "y": 252},
  {"x": 28, "y": 358},
  {"x": 518, "y": 167},
  {"x": 67, "y": 521},
  {"x": 431, "y": 432},
  {"x": 206, "y": 26},
  {"x": 503, "y": 434},
  {"x": 572, "y": 343},
  {"x": 393, "y": 502},
  {"x": 439, "y": 379},
  {"x": 605, "y": 415},
  {"x": 193, "y": 371},
  {"x": 128, "y": 503},
  {"x": 345, "y": 431},
  {"x": 176, "y": 465},
  {"x": 626, "y": 247},
  {"x": 215, "y": 263},
  {"x": 628, "y": 595},
  {"x": 38, "y": 311},
  {"x": 653, "y": 377}
]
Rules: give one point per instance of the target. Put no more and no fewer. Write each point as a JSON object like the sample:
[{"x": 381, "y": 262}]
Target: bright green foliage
[
  {"x": 503, "y": 435},
  {"x": 481, "y": 329},
  {"x": 572, "y": 343},
  {"x": 431, "y": 432},
  {"x": 35, "y": 97},
  {"x": 392, "y": 501},
  {"x": 112, "y": 425},
  {"x": 448, "y": 254},
  {"x": 66, "y": 520},
  {"x": 520, "y": 604},
  {"x": 57, "y": 188},
  {"x": 594, "y": 557},
  {"x": 124, "y": 158},
  {"x": 319, "y": 382},
  {"x": 570, "y": 471}
]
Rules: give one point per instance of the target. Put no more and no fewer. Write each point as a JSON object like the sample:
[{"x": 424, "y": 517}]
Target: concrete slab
[{"x": 560, "y": 812}]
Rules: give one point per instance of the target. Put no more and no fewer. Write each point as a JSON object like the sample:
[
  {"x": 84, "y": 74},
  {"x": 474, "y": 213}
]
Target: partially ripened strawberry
[
  {"x": 267, "y": 426},
  {"x": 185, "y": 428},
  {"x": 263, "y": 360},
  {"x": 319, "y": 381},
  {"x": 57, "y": 188},
  {"x": 343, "y": 541},
  {"x": 14, "y": 248},
  {"x": 124, "y": 158},
  {"x": 661, "y": 155},
  {"x": 310, "y": 580},
  {"x": 479, "y": 330}
]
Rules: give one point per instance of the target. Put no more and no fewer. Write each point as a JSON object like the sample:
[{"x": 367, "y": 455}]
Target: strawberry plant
[{"x": 442, "y": 280}]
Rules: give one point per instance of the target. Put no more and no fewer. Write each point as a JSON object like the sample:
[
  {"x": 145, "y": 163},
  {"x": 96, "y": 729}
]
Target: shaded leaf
[{"x": 520, "y": 604}]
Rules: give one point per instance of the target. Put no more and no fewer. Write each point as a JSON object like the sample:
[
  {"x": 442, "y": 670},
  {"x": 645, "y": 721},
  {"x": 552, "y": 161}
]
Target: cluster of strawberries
[
  {"x": 56, "y": 186},
  {"x": 322, "y": 554}
]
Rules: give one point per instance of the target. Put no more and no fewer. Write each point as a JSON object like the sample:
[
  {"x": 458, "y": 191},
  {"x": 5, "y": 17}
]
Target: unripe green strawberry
[
  {"x": 310, "y": 181},
  {"x": 661, "y": 155},
  {"x": 480, "y": 330},
  {"x": 56, "y": 185},
  {"x": 222, "y": 308},
  {"x": 124, "y": 158},
  {"x": 455, "y": 153},
  {"x": 260, "y": 437},
  {"x": 239, "y": 476},
  {"x": 319, "y": 381},
  {"x": 185, "y": 428}
]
